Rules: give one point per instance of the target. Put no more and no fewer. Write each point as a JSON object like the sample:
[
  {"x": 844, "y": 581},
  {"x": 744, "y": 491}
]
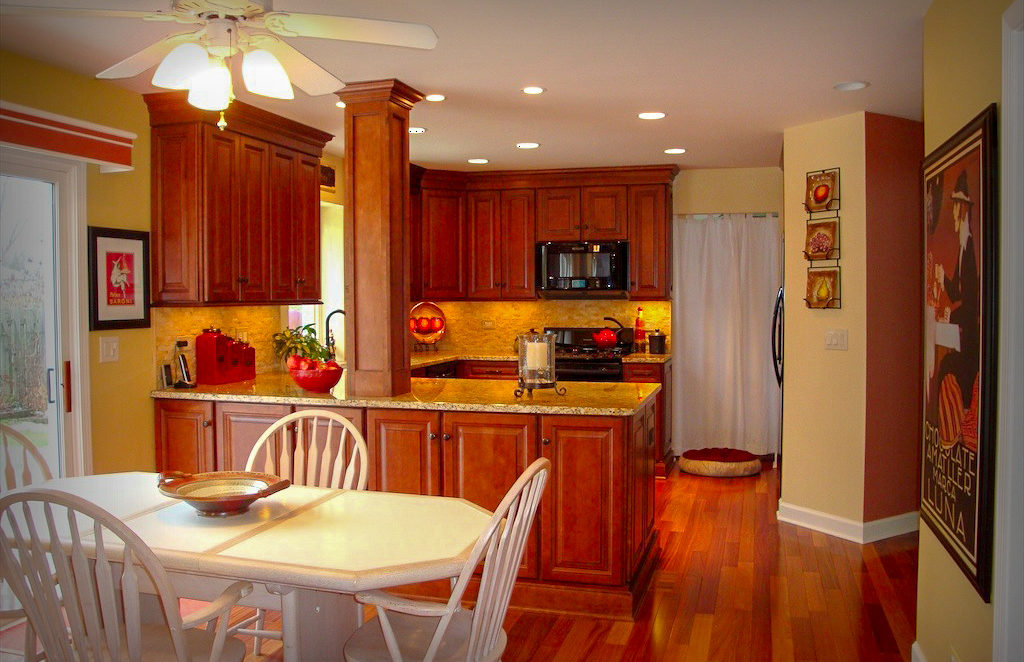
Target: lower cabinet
[
  {"x": 487, "y": 370},
  {"x": 197, "y": 435},
  {"x": 656, "y": 373}
]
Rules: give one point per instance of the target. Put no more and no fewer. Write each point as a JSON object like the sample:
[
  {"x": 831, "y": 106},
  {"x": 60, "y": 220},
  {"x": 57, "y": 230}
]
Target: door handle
[
  {"x": 432, "y": 436},
  {"x": 67, "y": 387},
  {"x": 49, "y": 385}
]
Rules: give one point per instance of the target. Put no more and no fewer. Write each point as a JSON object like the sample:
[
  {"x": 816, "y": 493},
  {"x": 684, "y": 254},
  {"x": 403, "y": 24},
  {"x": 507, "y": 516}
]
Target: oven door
[{"x": 585, "y": 370}]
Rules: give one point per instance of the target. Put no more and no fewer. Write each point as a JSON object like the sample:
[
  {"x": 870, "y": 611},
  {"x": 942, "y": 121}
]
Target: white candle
[{"x": 536, "y": 355}]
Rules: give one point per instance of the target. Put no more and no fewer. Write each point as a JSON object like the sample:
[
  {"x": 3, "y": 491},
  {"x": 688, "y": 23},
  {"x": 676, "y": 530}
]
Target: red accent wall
[{"x": 894, "y": 148}]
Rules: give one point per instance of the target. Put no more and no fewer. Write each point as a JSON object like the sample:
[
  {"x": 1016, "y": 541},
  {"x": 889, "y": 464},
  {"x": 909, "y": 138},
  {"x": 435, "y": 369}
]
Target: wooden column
[{"x": 376, "y": 235}]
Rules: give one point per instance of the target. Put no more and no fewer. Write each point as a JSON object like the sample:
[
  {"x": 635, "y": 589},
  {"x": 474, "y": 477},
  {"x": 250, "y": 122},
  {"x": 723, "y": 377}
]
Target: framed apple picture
[{"x": 822, "y": 190}]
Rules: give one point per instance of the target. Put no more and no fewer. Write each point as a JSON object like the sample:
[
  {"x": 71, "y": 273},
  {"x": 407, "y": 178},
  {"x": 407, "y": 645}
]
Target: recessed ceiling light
[
  {"x": 434, "y": 97},
  {"x": 417, "y": 129},
  {"x": 533, "y": 89},
  {"x": 651, "y": 116},
  {"x": 340, "y": 104},
  {"x": 478, "y": 161},
  {"x": 851, "y": 85},
  {"x": 675, "y": 150},
  {"x": 527, "y": 145}
]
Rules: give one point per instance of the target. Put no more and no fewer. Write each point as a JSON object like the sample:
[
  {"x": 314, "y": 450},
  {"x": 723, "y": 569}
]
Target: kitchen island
[{"x": 593, "y": 548}]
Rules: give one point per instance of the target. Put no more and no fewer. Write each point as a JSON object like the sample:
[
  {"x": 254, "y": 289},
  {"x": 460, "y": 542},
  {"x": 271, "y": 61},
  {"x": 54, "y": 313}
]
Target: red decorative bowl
[{"x": 318, "y": 381}]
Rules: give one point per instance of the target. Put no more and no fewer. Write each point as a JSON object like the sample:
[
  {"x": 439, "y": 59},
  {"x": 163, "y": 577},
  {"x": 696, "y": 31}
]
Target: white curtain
[{"x": 728, "y": 269}]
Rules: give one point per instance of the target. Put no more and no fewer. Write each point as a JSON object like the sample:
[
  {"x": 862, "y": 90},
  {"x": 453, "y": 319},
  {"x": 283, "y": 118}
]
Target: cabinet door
[
  {"x": 637, "y": 495},
  {"x": 220, "y": 211},
  {"x": 650, "y": 458},
  {"x": 518, "y": 232},
  {"x": 665, "y": 421},
  {"x": 253, "y": 240},
  {"x": 405, "y": 450},
  {"x": 650, "y": 268},
  {"x": 239, "y": 426},
  {"x": 483, "y": 242},
  {"x": 487, "y": 370},
  {"x": 176, "y": 195},
  {"x": 582, "y": 510},
  {"x": 483, "y": 456},
  {"x": 441, "y": 245},
  {"x": 604, "y": 213},
  {"x": 184, "y": 435},
  {"x": 653, "y": 373},
  {"x": 558, "y": 214},
  {"x": 307, "y": 229},
  {"x": 283, "y": 189}
]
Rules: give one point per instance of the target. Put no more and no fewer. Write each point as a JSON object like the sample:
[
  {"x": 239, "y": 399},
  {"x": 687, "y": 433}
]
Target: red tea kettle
[{"x": 605, "y": 338}]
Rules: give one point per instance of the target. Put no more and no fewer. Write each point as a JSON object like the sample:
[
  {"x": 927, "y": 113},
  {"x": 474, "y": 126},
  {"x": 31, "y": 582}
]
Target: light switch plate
[
  {"x": 110, "y": 349},
  {"x": 487, "y": 324},
  {"x": 837, "y": 339}
]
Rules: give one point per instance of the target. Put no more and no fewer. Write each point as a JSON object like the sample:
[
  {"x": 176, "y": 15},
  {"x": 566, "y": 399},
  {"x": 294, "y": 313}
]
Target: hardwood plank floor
[{"x": 736, "y": 585}]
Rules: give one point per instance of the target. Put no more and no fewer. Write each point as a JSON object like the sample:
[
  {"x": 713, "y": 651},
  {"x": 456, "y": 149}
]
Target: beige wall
[
  {"x": 824, "y": 391},
  {"x": 122, "y": 413},
  {"x": 962, "y": 75},
  {"x": 728, "y": 190}
]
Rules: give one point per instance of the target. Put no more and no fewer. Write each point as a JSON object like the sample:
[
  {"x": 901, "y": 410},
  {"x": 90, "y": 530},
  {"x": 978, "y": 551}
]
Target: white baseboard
[
  {"x": 916, "y": 654},
  {"x": 847, "y": 529}
]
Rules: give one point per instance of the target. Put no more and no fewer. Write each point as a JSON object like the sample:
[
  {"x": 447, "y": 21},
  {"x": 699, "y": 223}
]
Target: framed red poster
[
  {"x": 961, "y": 266},
  {"x": 118, "y": 279}
]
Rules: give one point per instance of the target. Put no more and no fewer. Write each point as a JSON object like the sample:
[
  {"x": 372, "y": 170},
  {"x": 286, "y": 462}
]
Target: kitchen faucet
[{"x": 330, "y": 334}]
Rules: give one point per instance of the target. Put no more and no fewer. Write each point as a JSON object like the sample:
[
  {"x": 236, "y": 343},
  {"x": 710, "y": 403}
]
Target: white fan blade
[
  {"x": 391, "y": 33},
  {"x": 70, "y": 12},
  {"x": 307, "y": 75},
  {"x": 147, "y": 57}
]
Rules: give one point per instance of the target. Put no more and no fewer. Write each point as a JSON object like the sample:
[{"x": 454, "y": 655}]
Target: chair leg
[{"x": 257, "y": 643}]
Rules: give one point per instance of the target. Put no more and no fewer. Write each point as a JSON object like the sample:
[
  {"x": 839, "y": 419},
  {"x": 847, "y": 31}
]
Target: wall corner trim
[{"x": 847, "y": 529}]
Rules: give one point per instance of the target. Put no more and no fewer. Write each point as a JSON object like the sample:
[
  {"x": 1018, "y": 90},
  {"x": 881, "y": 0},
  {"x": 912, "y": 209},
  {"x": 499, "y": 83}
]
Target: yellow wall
[
  {"x": 962, "y": 75},
  {"x": 728, "y": 190},
  {"x": 122, "y": 413},
  {"x": 824, "y": 391}
]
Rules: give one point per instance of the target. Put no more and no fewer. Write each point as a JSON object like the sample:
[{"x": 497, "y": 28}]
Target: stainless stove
[{"x": 578, "y": 358}]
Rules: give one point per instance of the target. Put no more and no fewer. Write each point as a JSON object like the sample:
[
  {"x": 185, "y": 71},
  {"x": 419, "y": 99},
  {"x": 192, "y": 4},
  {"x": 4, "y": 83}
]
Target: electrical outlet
[
  {"x": 110, "y": 349},
  {"x": 837, "y": 339},
  {"x": 487, "y": 324}
]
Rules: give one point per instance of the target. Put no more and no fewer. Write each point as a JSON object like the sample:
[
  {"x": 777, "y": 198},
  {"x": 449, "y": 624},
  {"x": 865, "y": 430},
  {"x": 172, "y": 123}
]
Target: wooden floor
[{"x": 734, "y": 584}]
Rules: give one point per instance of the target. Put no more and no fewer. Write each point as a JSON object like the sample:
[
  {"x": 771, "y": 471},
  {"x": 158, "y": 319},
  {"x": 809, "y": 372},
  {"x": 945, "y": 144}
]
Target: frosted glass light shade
[
  {"x": 180, "y": 65},
  {"x": 211, "y": 88},
  {"x": 264, "y": 75}
]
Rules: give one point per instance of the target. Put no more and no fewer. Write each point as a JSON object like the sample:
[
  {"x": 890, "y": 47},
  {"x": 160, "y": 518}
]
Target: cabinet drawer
[
  {"x": 488, "y": 370},
  {"x": 642, "y": 372}
]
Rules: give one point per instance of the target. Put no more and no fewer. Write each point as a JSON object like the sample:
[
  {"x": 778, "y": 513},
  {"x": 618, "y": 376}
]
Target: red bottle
[{"x": 640, "y": 330}]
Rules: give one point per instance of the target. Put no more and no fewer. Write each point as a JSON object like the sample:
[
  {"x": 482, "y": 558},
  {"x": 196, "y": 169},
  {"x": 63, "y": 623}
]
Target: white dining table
[{"x": 310, "y": 547}]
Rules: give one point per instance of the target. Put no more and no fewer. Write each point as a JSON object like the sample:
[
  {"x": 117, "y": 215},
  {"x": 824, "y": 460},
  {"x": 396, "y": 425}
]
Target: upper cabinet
[
  {"x": 474, "y": 234},
  {"x": 236, "y": 213}
]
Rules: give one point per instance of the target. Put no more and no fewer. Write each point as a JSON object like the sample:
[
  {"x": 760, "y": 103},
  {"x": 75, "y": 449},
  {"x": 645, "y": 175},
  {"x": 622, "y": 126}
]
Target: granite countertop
[
  {"x": 482, "y": 395},
  {"x": 424, "y": 359}
]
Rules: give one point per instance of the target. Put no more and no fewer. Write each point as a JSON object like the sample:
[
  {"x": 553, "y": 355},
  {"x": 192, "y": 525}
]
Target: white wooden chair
[
  {"x": 325, "y": 444},
  {"x": 17, "y": 449},
  {"x": 419, "y": 630},
  {"x": 83, "y": 597}
]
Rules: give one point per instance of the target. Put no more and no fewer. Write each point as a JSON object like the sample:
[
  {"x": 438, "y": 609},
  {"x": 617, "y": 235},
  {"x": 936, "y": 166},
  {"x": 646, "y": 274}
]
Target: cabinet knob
[
  {"x": 206, "y": 424},
  {"x": 300, "y": 281},
  {"x": 586, "y": 227},
  {"x": 432, "y": 436},
  {"x": 632, "y": 283},
  {"x": 446, "y": 436},
  {"x": 545, "y": 441},
  {"x": 243, "y": 279}
]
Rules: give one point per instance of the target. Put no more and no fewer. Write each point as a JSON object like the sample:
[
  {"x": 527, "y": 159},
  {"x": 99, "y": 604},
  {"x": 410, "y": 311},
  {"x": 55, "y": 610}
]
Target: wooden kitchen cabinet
[
  {"x": 500, "y": 240},
  {"x": 487, "y": 370},
  {"x": 184, "y": 435},
  {"x": 583, "y": 510},
  {"x": 640, "y": 480},
  {"x": 558, "y": 214},
  {"x": 604, "y": 213},
  {"x": 235, "y": 216},
  {"x": 650, "y": 242},
  {"x": 404, "y": 450},
  {"x": 238, "y": 427},
  {"x": 442, "y": 244},
  {"x": 656, "y": 373}
]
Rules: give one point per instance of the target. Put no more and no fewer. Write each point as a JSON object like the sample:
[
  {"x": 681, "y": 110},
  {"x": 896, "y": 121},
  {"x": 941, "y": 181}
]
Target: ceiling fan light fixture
[
  {"x": 211, "y": 87},
  {"x": 178, "y": 67},
  {"x": 264, "y": 75}
]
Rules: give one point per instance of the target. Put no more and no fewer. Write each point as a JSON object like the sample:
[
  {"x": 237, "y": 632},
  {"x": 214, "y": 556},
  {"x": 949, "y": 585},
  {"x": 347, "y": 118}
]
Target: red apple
[
  {"x": 436, "y": 323},
  {"x": 423, "y": 324},
  {"x": 293, "y": 362},
  {"x": 332, "y": 365}
]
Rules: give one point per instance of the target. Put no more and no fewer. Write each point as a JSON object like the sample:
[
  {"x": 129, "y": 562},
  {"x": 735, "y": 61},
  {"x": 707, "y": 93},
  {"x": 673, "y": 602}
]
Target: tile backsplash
[
  {"x": 255, "y": 323},
  {"x": 467, "y": 322}
]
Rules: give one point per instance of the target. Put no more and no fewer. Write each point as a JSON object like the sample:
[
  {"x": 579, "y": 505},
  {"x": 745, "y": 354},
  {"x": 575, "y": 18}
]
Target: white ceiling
[{"x": 730, "y": 75}]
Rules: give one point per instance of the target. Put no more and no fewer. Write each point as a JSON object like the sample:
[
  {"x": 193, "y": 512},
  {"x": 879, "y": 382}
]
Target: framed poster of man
[
  {"x": 961, "y": 249},
  {"x": 118, "y": 279}
]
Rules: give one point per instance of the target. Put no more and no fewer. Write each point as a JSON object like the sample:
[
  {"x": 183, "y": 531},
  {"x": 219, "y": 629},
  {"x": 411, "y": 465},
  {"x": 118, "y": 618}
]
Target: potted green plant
[
  {"x": 300, "y": 341},
  {"x": 307, "y": 359}
]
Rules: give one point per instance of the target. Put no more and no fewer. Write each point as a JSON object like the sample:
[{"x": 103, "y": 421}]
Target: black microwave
[{"x": 588, "y": 268}]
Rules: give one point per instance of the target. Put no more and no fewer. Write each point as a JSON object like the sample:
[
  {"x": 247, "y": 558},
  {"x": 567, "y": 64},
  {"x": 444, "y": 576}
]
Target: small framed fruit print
[
  {"x": 823, "y": 288},
  {"x": 822, "y": 240},
  {"x": 822, "y": 190}
]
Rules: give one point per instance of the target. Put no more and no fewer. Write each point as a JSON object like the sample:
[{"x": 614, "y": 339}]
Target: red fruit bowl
[{"x": 318, "y": 381}]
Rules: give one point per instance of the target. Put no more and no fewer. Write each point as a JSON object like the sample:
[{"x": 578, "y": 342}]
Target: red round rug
[{"x": 719, "y": 462}]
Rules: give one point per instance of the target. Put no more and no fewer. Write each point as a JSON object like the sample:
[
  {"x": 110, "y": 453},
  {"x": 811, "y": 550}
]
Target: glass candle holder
[{"x": 536, "y": 362}]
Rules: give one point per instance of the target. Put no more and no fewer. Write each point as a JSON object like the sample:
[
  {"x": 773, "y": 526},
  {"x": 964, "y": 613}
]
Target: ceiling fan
[{"x": 198, "y": 60}]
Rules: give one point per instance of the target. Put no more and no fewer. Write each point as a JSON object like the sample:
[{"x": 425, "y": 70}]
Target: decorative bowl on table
[{"x": 219, "y": 493}]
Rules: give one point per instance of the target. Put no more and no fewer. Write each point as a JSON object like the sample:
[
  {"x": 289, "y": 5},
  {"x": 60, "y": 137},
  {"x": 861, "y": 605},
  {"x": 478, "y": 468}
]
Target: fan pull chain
[{"x": 221, "y": 123}]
